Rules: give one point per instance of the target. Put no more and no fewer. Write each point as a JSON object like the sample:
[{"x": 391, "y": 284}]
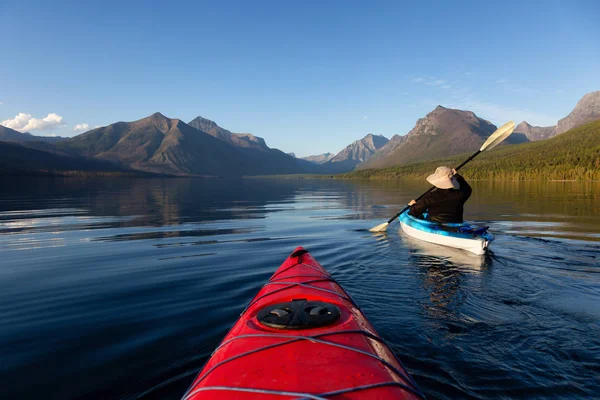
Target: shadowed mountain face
[
  {"x": 10, "y": 135},
  {"x": 259, "y": 158},
  {"x": 388, "y": 148},
  {"x": 443, "y": 132},
  {"x": 586, "y": 110},
  {"x": 234, "y": 139},
  {"x": 157, "y": 144},
  {"x": 164, "y": 145},
  {"x": 355, "y": 154},
  {"x": 18, "y": 159}
]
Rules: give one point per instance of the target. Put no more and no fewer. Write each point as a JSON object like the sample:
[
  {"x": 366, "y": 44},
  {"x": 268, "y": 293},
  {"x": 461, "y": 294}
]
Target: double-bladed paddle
[{"x": 494, "y": 140}]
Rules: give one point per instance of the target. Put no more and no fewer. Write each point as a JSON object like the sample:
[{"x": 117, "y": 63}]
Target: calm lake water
[{"x": 121, "y": 288}]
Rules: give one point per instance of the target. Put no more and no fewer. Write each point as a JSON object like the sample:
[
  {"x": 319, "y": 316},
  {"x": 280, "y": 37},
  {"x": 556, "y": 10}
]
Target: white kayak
[{"x": 460, "y": 236}]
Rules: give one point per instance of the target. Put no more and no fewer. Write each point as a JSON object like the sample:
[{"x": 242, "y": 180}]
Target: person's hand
[
  {"x": 453, "y": 171},
  {"x": 411, "y": 202}
]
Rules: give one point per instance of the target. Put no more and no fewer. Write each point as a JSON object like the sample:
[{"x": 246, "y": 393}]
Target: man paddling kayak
[{"x": 445, "y": 204}]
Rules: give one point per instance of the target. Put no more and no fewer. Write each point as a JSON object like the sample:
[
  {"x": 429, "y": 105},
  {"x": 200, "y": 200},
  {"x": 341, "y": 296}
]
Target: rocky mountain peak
[
  {"x": 586, "y": 110},
  {"x": 388, "y": 148},
  {"x": 158, "y": 116},
  {"x": 203, "y": 124},
  {"x": 523, "y": 126},
  {"x": 249, "y": 140},
  {"x": 533, "y": 133},
  {"x": 234, "y": 139},
  {"x": 444, "y": 120},
  {"x": 356, "y": 153},
  {"x": 374, "y": 142},
  {"x": 442, "y": 132},
  {"x": 319, "y": 158},
  {"x": 157, "y": 120}
]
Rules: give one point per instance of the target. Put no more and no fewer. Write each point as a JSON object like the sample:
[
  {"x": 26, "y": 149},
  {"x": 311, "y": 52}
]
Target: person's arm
[
  {"x": 417, "y": 209},
  {"x": 464, "y": 188}
]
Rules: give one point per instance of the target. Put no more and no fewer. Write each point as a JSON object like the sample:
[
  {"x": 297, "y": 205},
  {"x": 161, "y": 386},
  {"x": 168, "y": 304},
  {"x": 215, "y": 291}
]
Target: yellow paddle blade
[
  {"x": 497, "y": 137},
  {"x": 379, "y": 228}
]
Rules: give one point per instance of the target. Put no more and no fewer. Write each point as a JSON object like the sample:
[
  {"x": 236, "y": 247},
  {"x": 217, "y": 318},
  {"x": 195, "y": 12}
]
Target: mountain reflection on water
[{"x": 121, "y": 288}]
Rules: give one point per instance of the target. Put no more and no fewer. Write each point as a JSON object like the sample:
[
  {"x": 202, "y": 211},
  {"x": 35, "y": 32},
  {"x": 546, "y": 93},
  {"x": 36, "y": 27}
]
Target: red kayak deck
[{"x": 303, "y": 337}]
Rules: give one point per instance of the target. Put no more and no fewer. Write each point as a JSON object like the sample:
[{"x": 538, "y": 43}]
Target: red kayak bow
[{"x": 303, "y": 337}]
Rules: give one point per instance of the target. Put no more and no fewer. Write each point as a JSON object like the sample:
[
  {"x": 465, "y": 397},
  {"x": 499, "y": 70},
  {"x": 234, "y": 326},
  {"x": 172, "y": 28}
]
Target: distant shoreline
[
  {"x": 407, "y": 178},
  {"x": 340, "y": 177}
]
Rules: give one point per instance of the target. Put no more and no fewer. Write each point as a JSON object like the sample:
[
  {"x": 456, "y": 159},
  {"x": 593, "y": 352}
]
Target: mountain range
[
  {"x": 533, "y": 133},
  {"x": 10, "y": 135},
  {"x": 319, "y": 158},
  {"x": 165, "y": 145},
  {"x": 158, "y": 144},
  {"x": 246, "y": 140},
  {"x": 572, "y": 155},
  {"x": 441, "y": 133},
  {"x": 586, "y": 110},
  {"x": 17, "y": 160},
  {"x": 355, "y": 153},
  {"x": 445, "y": 132}
]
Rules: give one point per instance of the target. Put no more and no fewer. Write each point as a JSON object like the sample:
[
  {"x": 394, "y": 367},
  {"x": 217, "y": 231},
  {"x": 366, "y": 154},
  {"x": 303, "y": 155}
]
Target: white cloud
[
  {"x": 435, "y": 82},
  {"x": 464, "y": 98},
  {"x": 25, "y": 122},
  {"x": 513, "y": 87},
  {"x": 560, "y": 91},
  {"x": 429, "y": 81},
  {"x": 81, "y": 128},
  {"x": 1, "y": 102},
  {"x": 365, "y": 117},
  {"x": 499, "y": 114}
]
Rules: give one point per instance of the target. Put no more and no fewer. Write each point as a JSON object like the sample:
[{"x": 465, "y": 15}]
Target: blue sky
[{"x": 308, "y": 76}]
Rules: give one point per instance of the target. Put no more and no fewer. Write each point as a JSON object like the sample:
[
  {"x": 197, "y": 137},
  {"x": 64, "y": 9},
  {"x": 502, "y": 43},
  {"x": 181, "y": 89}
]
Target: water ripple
[{"x": 109, "y": 295}]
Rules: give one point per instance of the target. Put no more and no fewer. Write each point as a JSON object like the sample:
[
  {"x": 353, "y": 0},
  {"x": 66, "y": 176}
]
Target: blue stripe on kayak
[{"x": 441, "y": 229}]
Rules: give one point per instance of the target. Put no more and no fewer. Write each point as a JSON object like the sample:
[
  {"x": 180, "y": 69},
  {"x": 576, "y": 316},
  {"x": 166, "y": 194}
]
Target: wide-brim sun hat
[{"x": 442, "y": 178}]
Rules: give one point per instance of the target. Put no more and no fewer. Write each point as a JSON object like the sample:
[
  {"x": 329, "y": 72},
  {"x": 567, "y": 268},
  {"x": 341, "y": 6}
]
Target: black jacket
[{"x": 443, "y": 205}]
